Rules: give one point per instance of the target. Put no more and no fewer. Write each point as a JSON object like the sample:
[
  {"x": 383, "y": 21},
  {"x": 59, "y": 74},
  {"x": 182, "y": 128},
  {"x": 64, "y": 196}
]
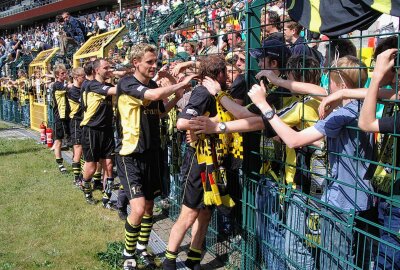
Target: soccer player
[
  {"x": 61, "y": 113},
  {"x": 139, "y": 109},
  {"x": 97, "y": 132}
]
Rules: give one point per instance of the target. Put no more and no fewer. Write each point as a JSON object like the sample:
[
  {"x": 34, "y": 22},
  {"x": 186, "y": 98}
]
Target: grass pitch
[{"x": 44, "y": 221}]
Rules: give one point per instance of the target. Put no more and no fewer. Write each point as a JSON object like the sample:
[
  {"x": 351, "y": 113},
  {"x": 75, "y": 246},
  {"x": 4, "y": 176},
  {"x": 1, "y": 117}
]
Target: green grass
[
  {"x": 4, "y": 125},
  {"x": 45, "y": 222}
]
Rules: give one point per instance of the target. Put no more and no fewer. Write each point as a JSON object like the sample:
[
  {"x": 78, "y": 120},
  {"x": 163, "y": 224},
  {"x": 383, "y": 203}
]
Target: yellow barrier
[
  {"x": 42, "y": 61},
  {"x": 38, "y": 103},
  {"x": 98, "y": 46},
  {"x": 38, "y": 114}
]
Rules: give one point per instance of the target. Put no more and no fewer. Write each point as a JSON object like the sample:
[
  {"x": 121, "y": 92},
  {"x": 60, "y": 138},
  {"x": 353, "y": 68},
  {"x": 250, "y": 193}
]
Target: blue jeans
[
  {"x": 343, "y": 242},
  {"x": 296, "y": 247},
  {"x": 14, "y": 111},
  {"x": 389, "y": 217},
  {"x": 26, "y": 121},
  {"x": 338, "y": 240},
  {"x": 6, "y": 109},
  {"x": 269, "y": 221}
]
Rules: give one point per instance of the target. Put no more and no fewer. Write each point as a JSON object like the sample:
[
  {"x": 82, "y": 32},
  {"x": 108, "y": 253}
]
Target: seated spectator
[{"x": 16, "y": 47}]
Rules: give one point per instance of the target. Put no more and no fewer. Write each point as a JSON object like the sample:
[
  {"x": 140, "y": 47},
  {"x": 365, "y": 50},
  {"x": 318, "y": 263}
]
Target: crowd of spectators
[
  {"x": 49, "y": 35},
  {"x": 8, "y": 8}
]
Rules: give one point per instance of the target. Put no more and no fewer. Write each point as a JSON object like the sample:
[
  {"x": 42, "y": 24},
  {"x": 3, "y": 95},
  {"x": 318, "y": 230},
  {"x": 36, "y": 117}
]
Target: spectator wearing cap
[
  {"x": 181, "y": 57},
  {"x": 273, "y": 55}
]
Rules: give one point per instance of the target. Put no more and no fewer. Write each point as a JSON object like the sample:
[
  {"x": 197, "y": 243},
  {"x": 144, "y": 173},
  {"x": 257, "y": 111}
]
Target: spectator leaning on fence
[
  {"x": 389, "y": 210},
  {"x": 342, "y": 198},
  {"x": 389, "y": 213}
]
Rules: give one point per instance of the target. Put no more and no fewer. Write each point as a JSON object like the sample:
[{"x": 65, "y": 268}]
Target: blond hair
[
  {"x": 138, "y": 50},
  {"x": 352, "y": 70},
  {"x": 78, "y": 71},
  {"x": 58, "y": 68}
]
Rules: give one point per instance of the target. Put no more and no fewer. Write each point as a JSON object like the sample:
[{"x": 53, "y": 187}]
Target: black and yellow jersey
[
  {"x": 301, "y": 114},
  {"x": 60, "y": 102},
  {"x": 23, "y": 89},
  {"x": 97, "y": 106},
  {"x": 74, "y": 99},
  {"x": 201, "y": 102},
  {"x": 139, "y": 119}
]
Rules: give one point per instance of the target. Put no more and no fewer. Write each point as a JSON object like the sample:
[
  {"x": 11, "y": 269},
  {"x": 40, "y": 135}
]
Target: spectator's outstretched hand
[
  {"x": 383, "y": 71},
  {"x": 178, "y": 68},
  {"x": 186, "y": 80},
  {"x": 203, "y": 125},
  {"x": 269, "y": 74},
  {"x": 329, "y": 103},
  {"x": 164, "y": 82},
  {"x": 258, "y": 94},
  {"x": 163, "y": 73},
  {"x": 212, "y": 85}
]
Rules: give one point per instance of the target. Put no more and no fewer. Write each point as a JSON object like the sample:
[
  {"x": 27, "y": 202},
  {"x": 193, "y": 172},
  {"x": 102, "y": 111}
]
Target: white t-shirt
[
  {"x": 163, "y": 9},
  {"x": 101, "y": 24}
]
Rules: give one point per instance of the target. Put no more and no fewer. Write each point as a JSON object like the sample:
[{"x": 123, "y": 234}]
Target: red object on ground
[
  {"x": 49, "y": 137},
  {"x": 42, "y": 133}
]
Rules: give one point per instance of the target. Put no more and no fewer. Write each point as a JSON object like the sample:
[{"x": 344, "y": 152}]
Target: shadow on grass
[{"x": 21, "y": 151}]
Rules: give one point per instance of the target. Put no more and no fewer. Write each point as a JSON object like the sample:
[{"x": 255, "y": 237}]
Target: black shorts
[
  {"x": 193, "y": 193},
  {"x": 76, "y": 131},
  {"x": 97, "y": 144},
  {"x": 140, "y": 174},
  {"x": 61, "y": 129}
]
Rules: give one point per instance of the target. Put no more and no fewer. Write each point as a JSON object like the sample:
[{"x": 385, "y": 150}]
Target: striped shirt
[{"x": 346, "y": 145}]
